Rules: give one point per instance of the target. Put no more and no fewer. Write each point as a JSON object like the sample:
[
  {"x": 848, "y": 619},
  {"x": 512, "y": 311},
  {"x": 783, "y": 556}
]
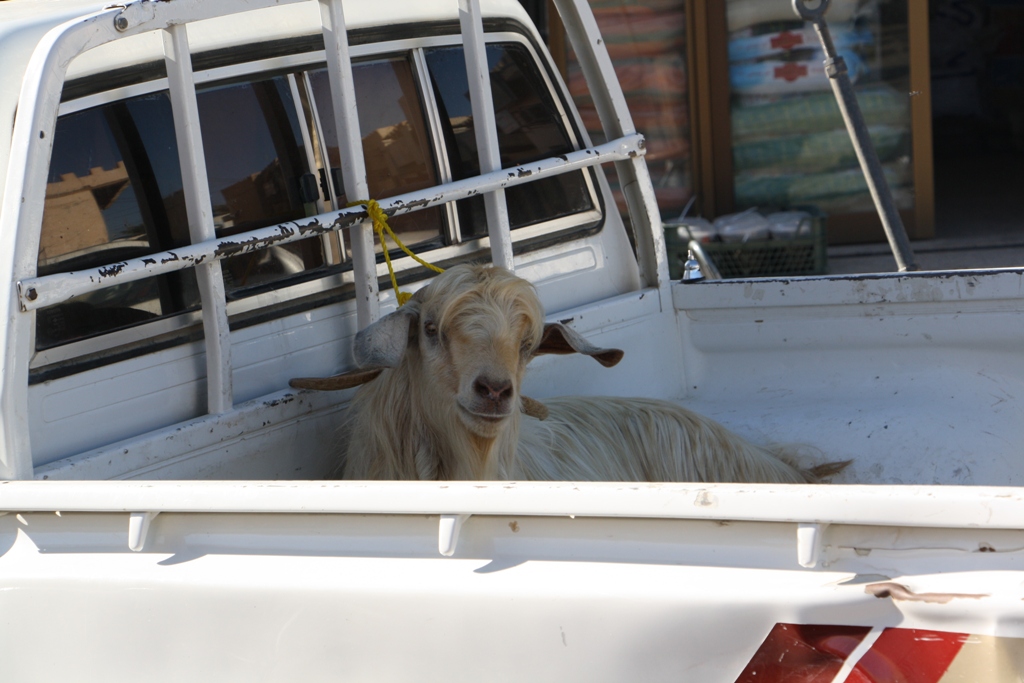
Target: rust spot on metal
[
  {"x": 287, "y": 398},
  {"x": 897, "y": 591},
  {"x": 173, "y": 257},
  {"x": 524, "y": 173},
  {"x": 347, "y": 220},
  {"x": 313, "y": 226},
  {"x": 149, "y": 261},
  {"x": 418, "y": 203},
  {"x": 229, "y": 247},
  {"x": 113, "y": 270}
]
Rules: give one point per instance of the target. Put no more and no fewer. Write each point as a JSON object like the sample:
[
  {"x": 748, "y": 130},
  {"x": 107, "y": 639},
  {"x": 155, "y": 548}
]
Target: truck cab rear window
[
  {"x": 529, "y": 128},
  {"x": 115, "y": 192},
  {"x": 396, "y": 142},
  {"x": 255, "y": 162},
  {"x": 271, "y": 149}
]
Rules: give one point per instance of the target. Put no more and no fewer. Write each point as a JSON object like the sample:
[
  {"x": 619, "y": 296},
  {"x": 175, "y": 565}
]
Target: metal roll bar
[{"x": 24, "y": 193}]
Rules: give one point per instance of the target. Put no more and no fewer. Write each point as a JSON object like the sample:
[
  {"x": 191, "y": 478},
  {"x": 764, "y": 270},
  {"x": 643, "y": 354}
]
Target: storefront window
[
  {"x": 790, "y": 146},
  {"x": 647, "y": 44}
]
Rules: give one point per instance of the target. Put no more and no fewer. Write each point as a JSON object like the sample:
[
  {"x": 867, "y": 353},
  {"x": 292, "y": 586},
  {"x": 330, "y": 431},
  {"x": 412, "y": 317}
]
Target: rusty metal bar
[{"x": 48, "y": 290}]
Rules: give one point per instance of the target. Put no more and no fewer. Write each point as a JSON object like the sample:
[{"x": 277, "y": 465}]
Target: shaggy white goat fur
[{"x": 441, "y": 401}]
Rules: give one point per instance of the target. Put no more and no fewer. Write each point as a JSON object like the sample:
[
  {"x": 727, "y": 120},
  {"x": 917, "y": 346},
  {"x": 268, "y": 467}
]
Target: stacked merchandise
[
  {"x": 790, "y": 145},
  {"x": 646, "y": 40}
]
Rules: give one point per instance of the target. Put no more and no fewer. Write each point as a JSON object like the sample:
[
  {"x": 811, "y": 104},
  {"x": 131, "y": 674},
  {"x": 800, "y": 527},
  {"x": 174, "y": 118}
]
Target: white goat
[{"x": 444, "y": 402}]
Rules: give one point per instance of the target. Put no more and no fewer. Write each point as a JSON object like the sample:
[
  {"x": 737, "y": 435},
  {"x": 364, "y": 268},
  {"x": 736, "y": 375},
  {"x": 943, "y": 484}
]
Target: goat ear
[
  {"x": 560, "y": 339},
  {"x": 376, "y": 347},
  {"x": 345, "y": 380},
  {"x": 382, "y": 344}
]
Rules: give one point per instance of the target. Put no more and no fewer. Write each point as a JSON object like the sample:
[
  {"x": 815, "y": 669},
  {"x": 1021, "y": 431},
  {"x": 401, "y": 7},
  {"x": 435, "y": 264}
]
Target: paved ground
[
  {"x": 979, "y": 217},
  {"x": 991, "y": 251}
]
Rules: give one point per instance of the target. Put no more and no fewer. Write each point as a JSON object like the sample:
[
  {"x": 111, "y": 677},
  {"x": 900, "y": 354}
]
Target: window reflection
[
  {"x": 115, "y": 187},
  {"x": 255, "y": 160},
  {"x": 529, "y": 128},
  {"x": 396, "y": 144},
  {"x": 790, "y": 145},
  {"x": 113, "y": 193}
]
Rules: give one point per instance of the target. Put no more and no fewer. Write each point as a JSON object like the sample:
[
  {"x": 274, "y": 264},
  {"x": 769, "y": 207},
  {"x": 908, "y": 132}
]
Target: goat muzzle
[{"x": 497, "y": 392}]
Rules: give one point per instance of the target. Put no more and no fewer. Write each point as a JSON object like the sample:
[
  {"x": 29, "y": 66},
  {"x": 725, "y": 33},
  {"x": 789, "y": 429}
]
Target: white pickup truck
[{"x": 176, "y": 244}]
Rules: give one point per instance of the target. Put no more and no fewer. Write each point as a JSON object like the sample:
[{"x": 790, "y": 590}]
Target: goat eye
[{"x": 430, "y": 329}]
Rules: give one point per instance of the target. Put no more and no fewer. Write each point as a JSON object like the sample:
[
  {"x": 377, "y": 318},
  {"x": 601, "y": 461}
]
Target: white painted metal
[
  {"x": 350, "y": 146},
  {"x": 198, "y": 206},
  {"x": 943, "y": 507},
  {"x": 478, "y": 75},
  {"x": 809, "y": 540},
  {"x": 448, "y": 533},
  {"x": 138, "y": 529},
  {"x": 547, "y": 599},
  {"x": 50, "y": 289}
]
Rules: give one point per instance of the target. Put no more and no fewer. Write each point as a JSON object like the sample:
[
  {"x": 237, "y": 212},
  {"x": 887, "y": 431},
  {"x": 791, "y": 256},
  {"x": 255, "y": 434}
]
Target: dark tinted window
[
  {"x": 396, "y": 142},
  {"x": 255, "y": 161},
  {"x": 114, "y": 192},
  {"x": 529, "y": 128}
]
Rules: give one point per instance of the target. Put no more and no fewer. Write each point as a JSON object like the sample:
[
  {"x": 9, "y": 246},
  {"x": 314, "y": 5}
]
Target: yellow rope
[{"x": 380, "y": 225}]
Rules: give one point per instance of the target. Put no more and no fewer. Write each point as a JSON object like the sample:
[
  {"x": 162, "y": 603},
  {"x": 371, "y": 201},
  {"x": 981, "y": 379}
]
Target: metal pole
[
  {"x": 592, "y": 53},
  {"x": 353, "y": 165},
  {"x": 835, "y": 67},
  {"x": 219, "y": 394},
  {"x": 479, "y": 77}
]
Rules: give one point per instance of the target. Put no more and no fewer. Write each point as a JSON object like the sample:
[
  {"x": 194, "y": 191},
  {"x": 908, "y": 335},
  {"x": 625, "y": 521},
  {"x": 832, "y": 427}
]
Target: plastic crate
[{"x": 801, "y": 255}]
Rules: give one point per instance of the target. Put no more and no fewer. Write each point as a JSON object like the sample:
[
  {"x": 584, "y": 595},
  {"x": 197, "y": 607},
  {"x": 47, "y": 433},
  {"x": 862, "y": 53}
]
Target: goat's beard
[{"x": 466, "y": 441}]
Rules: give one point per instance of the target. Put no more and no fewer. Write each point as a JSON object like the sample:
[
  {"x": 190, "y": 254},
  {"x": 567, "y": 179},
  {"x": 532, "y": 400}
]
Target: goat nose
[{"x": 493, "y": 389}]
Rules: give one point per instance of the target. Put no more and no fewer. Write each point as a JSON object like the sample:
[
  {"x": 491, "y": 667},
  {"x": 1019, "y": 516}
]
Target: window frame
[{"x": 334, "y": 281}]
